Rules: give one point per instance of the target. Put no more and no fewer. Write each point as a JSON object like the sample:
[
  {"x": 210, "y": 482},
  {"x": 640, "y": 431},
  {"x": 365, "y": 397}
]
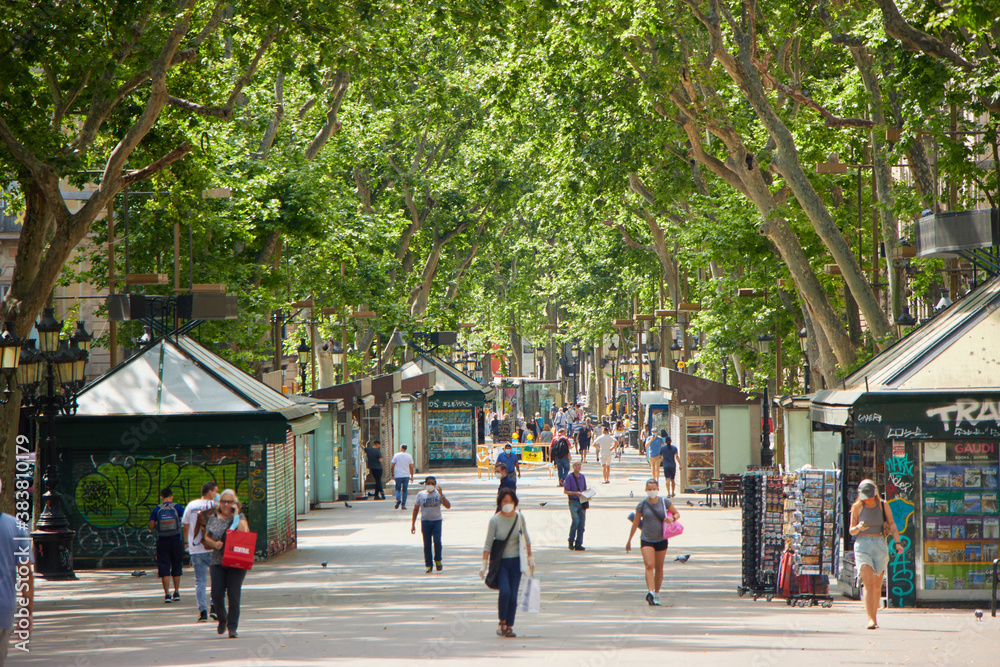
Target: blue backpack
[{"x": 168, "y": 523}]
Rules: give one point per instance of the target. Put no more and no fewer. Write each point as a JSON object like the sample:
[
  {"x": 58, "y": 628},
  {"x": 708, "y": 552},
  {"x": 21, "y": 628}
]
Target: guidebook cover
[
  {"x": 991, "y": 527},
  {"x": 989, "y": 477},
  {"x": 973, "y": 503},
  {"x": 972, "y": 477},
  {"x": 988, "y": 503}
]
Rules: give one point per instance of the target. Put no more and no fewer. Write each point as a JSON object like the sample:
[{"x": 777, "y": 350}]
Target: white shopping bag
[{"x": 531, "y": 602}]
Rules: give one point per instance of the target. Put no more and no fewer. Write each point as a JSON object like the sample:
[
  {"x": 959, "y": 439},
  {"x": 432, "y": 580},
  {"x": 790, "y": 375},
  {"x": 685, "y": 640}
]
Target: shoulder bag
[
  {"x": 670, "y": 528},
  {"x": 496, "y": 551}
]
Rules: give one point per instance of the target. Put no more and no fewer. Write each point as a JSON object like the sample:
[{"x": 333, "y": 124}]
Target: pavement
[{"x": 374, "y": 601}]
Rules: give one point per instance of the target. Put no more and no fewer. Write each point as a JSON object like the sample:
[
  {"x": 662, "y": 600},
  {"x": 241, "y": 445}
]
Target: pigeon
[
  {"x": 347, "y": 504},
  {"x": 979, "y": 614},
  {"x": 142, "y": 573},
  {"x": 690, "y": 504},
  {"x": 543, "y": 504},
  {"x": 323, "y": 563},
  {"x": 683, "y": 559}
]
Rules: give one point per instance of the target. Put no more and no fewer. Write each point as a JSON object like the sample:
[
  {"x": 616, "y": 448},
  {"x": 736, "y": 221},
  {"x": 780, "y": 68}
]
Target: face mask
[
  {"x": 652, "y": 494},
  {"x": 216, "y": 498},
  {"x": 507, "y": 451},
  {"x": 507, "y": 508},
  {"x": 430, "y": 488}
]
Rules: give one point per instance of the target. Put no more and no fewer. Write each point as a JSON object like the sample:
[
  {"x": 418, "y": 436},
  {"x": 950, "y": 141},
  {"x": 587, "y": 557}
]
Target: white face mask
[
  {"x": 430, "y": 488},
  {"x": 507, "y": 508},
  {"x": 507, "y": 451},
  {"x": 652, "y": 494}
]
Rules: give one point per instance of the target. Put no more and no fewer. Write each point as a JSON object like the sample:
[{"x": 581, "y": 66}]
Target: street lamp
[
  {"x": 804, "y": 346},
  {"x": 675, "y": 353},
  {"x": 10, "y": 355},
  {"x": 764, "y": 343},
  {"x": 303, "y": 351},
  {"x": 64, "y": 363}
]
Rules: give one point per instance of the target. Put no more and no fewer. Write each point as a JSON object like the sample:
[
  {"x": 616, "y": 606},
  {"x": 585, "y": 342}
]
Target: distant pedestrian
[
  {"x": 15, "y": 555},
  {"x": 546, "y": 435},
  {"x": 428, "y": 504},
  {"x": 560, "y": 451},
  {"x": 227, "y": 582},
  {"x": 574, "y": 487},
  {"x": 402, "y": 473},
  {"x": 871, "y": 523},
  {"x": 373, "y": 457},
  {"x": 539, "y": 422},
  {"x": 649, "y": 517},
  {"x": 506, "y": 481},
  {"x": 201, "y": 556},
  {"x": 509, "y": 459},
  {"x": 583, "y": 438},
  {"x": 654, "y": 444},
  {"x": 495, "y": 428},
  {"x": 605, "y": 446},
  {"x": 508, "y": 522},
  {"x": 165, "y": 522},
  {"x": 671, "y": 464},
  {"x": 561, "y": 420}
]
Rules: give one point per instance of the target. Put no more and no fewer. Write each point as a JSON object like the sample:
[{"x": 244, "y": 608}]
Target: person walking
[
  {"x": 402, "y": 473},
  {"x": 560, "y": 451},
  {"x": 506, "y": 481},
  {"x": 649, "y": 517},
  {"x": 165, "y": 521},
  {"x": 227, "y": 582},
  {"x": 17, "y": 581},
  {"x": 561, "y": 420},
  {"x": 605, "y": 446},
  {"x": 508, "y": 521},
  {"x": 584, "y": 437},
  {"x": 539, "y": 422},
  {"x": 654, "y": 444},
  {"x": 574, "y": 487},
  {"x": 495, "y": 428},
  {"x": 200, "y": 555},
  {"x": 509, "y": 459},
  {"x": 871, "y": 523},
  {"x": 373, "y": 458},
  {"x": 671, "y": 464},
  {"x": 428, "y": 504}
]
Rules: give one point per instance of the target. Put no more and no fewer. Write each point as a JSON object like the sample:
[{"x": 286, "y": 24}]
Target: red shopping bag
[{"x": 239, "y": 549}]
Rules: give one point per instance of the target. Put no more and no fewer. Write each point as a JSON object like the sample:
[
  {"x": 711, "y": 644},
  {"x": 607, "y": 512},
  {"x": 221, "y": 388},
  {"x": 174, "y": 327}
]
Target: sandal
[
  {"x": 509, "y": 632},
  {"x": 501, "y": 631}
]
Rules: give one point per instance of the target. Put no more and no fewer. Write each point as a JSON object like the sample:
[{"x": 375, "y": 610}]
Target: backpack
[
  {"x": 561, "y": 448},
  {"x": 168, "y": 524}
]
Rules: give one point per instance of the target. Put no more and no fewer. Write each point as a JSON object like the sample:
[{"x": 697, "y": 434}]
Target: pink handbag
[{"x": 670, "y": 528}]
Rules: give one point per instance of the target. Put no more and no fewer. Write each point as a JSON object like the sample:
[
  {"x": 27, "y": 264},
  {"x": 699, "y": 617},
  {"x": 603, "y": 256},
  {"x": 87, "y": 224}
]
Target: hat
[
  {"x": 867, "y": 489},
  {"x": 663, "y": 432}
]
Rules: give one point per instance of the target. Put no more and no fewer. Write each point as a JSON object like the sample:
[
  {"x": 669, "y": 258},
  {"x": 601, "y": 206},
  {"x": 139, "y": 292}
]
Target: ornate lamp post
[
  {"x": 51, "y": 394},
  {"x": 804, "y": 346},
  {"x": 303, "y": 351}
]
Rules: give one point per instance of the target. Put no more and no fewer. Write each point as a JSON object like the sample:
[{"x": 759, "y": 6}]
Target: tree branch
[
  {"x": 629, "y": 241},
  {"x": 915, "y": 40},
  {"x": 340, "y": 85},
  {"x": 225, "y": 112},
  {"x": 829, "y": 119},
  {"x": 159, "y": 165}
]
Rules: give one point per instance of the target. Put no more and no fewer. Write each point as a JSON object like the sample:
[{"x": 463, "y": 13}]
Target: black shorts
[
  {"x": 669, "y": 473},
  {"x": 584, "y": 445},
  {"x": 658, "y": 546},
  {"x": 169, "y": 554}
]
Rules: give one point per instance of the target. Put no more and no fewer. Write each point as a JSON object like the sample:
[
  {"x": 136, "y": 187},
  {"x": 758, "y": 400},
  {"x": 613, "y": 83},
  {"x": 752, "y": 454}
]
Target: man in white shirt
[
  {"x": 200, "y": 555},
  {"x": 402, "y": 472},
  {"x": 605, "y": 445}
]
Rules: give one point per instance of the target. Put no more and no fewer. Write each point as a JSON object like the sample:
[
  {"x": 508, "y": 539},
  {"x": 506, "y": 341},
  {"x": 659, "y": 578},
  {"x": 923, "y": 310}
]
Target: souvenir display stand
[
  {"x": 762, "y": 533},
  {"x": 812, "y": 533}
]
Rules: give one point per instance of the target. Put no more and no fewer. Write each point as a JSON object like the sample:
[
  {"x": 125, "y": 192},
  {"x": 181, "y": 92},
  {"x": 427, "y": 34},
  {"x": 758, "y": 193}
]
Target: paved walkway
[{"x": 374, "y": 601}]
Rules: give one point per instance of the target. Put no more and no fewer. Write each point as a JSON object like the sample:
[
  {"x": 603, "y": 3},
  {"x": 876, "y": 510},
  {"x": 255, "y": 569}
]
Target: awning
[{"x": 833, "y": 407}]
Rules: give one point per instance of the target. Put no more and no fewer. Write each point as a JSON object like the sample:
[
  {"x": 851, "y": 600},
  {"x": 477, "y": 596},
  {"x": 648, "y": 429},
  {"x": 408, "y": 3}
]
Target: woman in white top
[{"x": 501, "y": 525}]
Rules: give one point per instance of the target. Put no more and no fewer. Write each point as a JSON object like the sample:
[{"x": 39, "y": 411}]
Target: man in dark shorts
[
  {"x": 671, "y": 464},
  {"x": 165, "y": 522},
  {"x": 584, "y": 436}
]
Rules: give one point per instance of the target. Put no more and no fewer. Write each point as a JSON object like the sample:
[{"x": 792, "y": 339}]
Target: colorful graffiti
[
  {"x": 123, "y": 494},
  {"x": 900, "y": 496}
]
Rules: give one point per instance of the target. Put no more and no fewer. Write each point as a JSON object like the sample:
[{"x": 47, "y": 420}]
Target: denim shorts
[{"x": 871, "y": 550}]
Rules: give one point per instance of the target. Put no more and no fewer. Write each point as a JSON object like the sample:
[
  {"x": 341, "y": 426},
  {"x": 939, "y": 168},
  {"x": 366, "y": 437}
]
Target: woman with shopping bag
[
  {"x": 229, "y": 565},
  {"x": 507, "y": 539}
]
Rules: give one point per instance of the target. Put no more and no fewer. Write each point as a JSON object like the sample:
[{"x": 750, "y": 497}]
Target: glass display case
[
  {"x": 961, "y": 524},
  {"x": 450, "y": 437}
]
